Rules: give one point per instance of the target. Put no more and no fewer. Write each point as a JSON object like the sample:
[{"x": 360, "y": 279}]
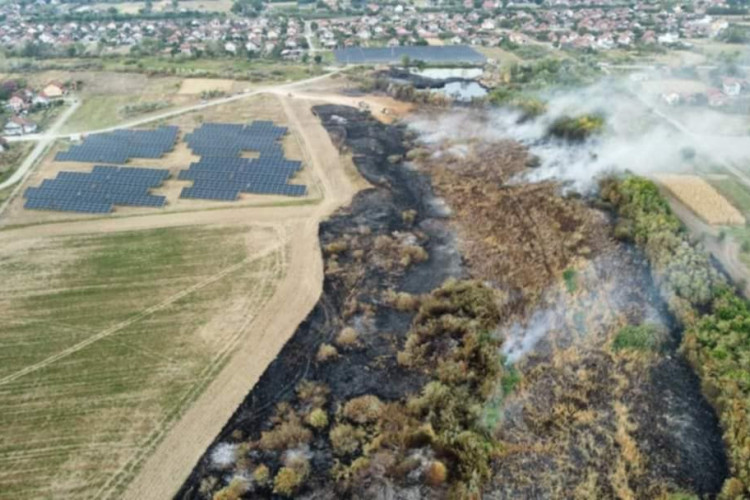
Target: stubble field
[{"x": 106, "y": 340}]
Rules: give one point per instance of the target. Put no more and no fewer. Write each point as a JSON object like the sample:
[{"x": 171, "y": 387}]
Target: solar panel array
[
  {"x": 221, "y": 174},
  {"x": 121, "y": 145},
  {"x": 97, "y": 191},
  {"x": 453, "y": 54}
]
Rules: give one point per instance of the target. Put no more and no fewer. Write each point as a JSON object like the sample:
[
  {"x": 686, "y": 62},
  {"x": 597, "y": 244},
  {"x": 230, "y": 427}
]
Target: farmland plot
[
  {"x": 702, "y": 198},
  {"x": 106, "y": 339}
]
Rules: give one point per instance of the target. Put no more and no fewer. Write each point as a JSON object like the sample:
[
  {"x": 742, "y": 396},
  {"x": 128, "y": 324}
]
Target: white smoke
[
  {"x": 223, "y": 455},
  {"x": 520, "y": 339},
  {"x": 641, "y": 135},
  {"x": 603, "y": 299}
]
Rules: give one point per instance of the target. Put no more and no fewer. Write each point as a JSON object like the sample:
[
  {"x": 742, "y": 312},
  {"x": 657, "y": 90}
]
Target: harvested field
[
  {"x": 198, "y": 85},
  {"x": 108, "y": 338},
  {"x": 702, "y": 198}
]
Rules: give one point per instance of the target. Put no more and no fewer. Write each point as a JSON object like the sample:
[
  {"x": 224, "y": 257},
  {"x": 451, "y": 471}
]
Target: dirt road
[{"x": 165, "y": 470}]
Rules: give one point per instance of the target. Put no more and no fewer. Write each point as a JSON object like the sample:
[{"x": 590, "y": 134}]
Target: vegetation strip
[{"x": 716, "y": 319}]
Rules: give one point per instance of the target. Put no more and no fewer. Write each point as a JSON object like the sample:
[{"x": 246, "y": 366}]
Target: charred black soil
[{"x": 579, "y": 416}]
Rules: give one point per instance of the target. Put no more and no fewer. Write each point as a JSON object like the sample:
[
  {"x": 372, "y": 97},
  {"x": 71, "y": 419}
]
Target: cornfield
[{"x": 700, "y": 197}]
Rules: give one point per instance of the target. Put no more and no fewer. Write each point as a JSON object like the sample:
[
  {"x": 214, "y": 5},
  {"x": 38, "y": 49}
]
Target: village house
[
  {"x": 54, "y": 90},
  {"x": 17, "y": 104},
  {"x": 18, "y": 125}
]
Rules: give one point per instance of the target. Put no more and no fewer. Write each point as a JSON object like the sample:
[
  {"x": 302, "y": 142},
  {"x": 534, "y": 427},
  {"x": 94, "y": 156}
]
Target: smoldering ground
[{"x": 585, "y": 412}]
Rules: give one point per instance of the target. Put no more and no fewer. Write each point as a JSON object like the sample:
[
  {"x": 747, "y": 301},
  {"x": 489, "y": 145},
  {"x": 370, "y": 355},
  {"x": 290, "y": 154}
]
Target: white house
[{"x": 19, "y": 125}]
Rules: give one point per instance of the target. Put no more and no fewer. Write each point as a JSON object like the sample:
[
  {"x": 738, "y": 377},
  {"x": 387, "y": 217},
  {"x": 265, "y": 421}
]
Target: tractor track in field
[
  {"x": 117, "y": 480},
  {"x": 124, "y": 324}
]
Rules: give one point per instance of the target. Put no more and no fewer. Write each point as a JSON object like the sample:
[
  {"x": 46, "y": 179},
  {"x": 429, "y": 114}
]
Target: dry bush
[
  {"x": 402, "y": 301},
  {"x": 346, "y": 439},
  {"x": 336, "y": 247},
  {"x": 364, "y": 409},
  {"x": 287, "y": 482},
  {"x": 326, "y": 352},
  {"x": 317, "y": 418},
  {"x": 234, "y": 491},
  {"x": 312, "y": 394},
  {"x": 261, "y": 475},
  {"x": 436, "y": 473},
  {"x": 409, "y": 216},
  {"x": 347, "y": 337},
  {"x": 285, "y": 435},
  {"x": 413, "y": 254}
]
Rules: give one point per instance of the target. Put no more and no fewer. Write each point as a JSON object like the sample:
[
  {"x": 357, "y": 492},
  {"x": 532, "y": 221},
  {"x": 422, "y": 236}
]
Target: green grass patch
[
  {"x": 570, "y": 276},
  {"x": 11, "y": 159},
  {"x": 645, "y": 337},
  {"x": 737, "y": 193},
  {"x": 96, "y": 112}
]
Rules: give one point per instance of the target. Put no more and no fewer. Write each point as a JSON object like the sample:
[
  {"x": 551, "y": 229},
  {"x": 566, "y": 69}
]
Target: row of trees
[{"x": 716, "y": 320}]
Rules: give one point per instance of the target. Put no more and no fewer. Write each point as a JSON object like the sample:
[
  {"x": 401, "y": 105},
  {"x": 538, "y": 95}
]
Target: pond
[{"x": 463, "y": 91}]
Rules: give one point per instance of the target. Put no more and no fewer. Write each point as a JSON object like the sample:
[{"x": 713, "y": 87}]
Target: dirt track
[{"x": 164, "y": 471}]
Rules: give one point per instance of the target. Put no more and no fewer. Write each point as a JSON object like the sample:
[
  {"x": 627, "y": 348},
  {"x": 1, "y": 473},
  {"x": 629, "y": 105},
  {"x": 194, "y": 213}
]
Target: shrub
[
  {"x": 644, "y": 337},
  {"x": 364, "y": 409},
  {"x": 336, "y": 247},
  {"x": 313, "y": 394},
  {"x": 287, "y": 482},
  {"x": 409, "y": 216},
  {"x": 261, "y": 475},
  {"x": 234, "y": 490},
  {"x": 326, "y": 352},
  {"x": 578, "y": 128},
  {"x": 346, "y": 439},
  {"x": 285, "y": 435},
  {"x": 413, "y": 254},
  {"x": 571, "y": 282},
  {"x": 317, "y": 418},
  {"x": 402, "y": 301},
  {"x": 436, "y": 473},
  {"x": 347, "y": 337}
]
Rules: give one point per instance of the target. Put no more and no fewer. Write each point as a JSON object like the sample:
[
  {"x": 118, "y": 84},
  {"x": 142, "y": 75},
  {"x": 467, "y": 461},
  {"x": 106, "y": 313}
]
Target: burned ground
[{"x": 578, "y": 415}]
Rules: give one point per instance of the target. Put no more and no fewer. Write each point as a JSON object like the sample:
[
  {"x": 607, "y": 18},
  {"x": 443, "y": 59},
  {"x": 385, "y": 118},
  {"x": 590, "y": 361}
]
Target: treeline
[
  {"x": 716, "y": 320},
  {"x": 520, "y": 80}
]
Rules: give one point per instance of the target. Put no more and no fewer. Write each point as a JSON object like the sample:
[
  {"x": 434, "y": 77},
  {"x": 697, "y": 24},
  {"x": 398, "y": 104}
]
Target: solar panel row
[
  {"x": 97, "y": 191},
  {"x": 221, "y": 174},
  {"x": 121, "y": 145}
]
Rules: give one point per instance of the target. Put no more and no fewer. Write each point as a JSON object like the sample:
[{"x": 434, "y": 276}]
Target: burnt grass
[
  {"x": 676, "y": 429},
  {"x": 395, "y": 190}
]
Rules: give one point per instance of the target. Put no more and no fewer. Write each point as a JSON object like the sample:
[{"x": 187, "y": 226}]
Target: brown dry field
[
  {"x": 160, "y": 467},
  {"x": 698, "y": 195}
]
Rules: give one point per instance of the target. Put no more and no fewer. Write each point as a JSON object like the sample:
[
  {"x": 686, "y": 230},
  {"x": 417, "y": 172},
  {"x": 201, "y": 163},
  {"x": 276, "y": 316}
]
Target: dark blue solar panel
[
  {"x": 121, "y": 145},
  {"x": 221, "y": 174},
  {"x": 97, "y": 191}
]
